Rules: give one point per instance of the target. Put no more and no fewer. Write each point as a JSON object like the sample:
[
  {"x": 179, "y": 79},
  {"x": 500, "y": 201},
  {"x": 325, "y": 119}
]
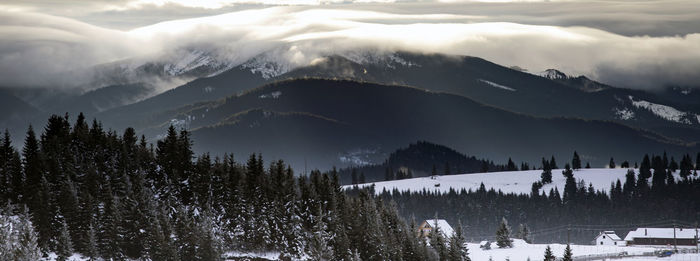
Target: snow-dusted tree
[
  {"x": 458, "y": 248},
  {"x": 503, "y": 235},
  {"x": 548, "y": 256},
  {"x": 64, "y": 246},
  {"x": 437, "y": 241},
  {"x": 319, "y": 249},
  {"x": 524, "y": 233},
  {"x": 91, "y": 243},
  {"x": 567, "y": 254},
  {"x": 209, "y": 247},
  {"x": 27, "y": 247}
]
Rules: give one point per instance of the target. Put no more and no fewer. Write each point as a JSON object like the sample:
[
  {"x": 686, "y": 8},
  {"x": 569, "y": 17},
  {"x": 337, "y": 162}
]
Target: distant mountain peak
[{"x": 553, "y": 74}]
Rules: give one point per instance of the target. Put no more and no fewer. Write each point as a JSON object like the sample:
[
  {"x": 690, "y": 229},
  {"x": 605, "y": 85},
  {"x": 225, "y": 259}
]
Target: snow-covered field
[
  {"x": 523, "y": 251},
  {"x": 507, "y": 181}
]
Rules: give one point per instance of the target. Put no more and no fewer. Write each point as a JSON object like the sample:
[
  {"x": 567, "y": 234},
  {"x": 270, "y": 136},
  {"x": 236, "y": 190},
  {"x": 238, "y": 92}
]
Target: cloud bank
[{"x": 45, "y": 50}]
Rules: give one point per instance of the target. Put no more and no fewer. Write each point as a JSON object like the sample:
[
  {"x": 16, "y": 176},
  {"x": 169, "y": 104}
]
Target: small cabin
[
  {"x": 662, "y": 237},
  {"x": 609, "y": 238},
  {"x": 426, "y": 227}
]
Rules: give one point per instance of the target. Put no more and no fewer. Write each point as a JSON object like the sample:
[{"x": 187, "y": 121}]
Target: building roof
[
  {"x": 610, "y": 234},
  {"x": 681, "y": 233},
  {"x": 444, "y": 227}
]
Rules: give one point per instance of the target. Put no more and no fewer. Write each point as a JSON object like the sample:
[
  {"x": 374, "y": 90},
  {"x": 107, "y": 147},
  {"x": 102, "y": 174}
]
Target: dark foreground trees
[{"x": 102, "y": 194}]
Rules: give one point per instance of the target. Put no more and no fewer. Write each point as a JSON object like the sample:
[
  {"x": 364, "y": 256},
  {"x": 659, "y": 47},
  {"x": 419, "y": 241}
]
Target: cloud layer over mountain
[{"x": 644, "y": 44}]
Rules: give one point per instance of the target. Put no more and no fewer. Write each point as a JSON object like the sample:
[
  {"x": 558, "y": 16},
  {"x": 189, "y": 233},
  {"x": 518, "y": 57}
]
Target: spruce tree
[
  {"x": 458, "y": 249},
  {"x": 553, "y": 163},
  {"x": 524, "y": 233},
  {"x": 437, "y": 241},
  {"x": 576, "y": 161},
  {"x": 568, "y": 255},
  {"x": 27, "y": 247},
  {"x": 64, "y": 245},
  {"x": 612, "y": 163},
  {"x": 548, "y": 256},
  {"x": 503, "y": 235}
]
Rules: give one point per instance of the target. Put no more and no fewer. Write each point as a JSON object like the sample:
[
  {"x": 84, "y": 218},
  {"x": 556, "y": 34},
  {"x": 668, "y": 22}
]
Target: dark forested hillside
[
  {"x": 418, "y": 160},
  {"x": 316, "y": 122}
]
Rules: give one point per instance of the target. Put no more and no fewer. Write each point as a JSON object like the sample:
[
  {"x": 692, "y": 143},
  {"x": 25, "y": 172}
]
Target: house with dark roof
[{"x": 662, "y": 237}]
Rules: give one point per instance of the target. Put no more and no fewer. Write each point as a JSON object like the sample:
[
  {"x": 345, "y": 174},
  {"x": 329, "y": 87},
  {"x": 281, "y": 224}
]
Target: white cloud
[{"x": 46, "y": 45}]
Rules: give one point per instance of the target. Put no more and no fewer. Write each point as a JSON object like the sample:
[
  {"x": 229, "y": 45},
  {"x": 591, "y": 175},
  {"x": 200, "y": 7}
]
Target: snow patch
[
  {"x": 518, "y": 182},
  {"x": 522, "y": 251},
  {"x": 266, "y": 67},
  {"x": 553, "y": 74},
  {"x": 192, "y": 60},
  {"x": 273, "y": 95},
  {"x": 666, "y": 112},
  {"x": 497, "y": 85},
  {"x": 624, "y": 113},
  {"x": 391, "y": 61},
  {"x": 358, "y": 157}
]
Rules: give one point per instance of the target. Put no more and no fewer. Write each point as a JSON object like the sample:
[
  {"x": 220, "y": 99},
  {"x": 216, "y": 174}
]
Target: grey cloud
[{"x": 36, "y": 49}]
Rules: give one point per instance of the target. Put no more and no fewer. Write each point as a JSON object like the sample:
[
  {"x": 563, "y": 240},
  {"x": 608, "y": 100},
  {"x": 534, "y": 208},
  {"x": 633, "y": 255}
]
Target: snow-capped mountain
[{"x": 553, "y": 74}]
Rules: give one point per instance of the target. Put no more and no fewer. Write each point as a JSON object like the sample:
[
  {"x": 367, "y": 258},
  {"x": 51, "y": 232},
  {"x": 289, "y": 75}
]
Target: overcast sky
[{"x": 636, "y": 44}]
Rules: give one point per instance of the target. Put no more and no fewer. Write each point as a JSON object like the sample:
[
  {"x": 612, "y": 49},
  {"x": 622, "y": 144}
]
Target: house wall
[
  {"x": 664, "y": 241},
  {"x": 605, "y": 240}
]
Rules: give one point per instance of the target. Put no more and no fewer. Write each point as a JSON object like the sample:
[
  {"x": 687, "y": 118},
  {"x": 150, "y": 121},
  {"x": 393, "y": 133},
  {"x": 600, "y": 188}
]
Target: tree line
[{"x": 646, "y": 195}]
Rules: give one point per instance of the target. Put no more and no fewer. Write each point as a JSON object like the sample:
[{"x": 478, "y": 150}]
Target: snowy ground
[
  {"x": 506, "y": 181},
  {"x": 523, "y": 251}
]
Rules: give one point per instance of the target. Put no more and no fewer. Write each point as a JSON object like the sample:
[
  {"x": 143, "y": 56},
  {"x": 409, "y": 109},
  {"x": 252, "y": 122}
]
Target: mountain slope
[
  {"x": 323, "y": 119},
  {"x": 554, "y": 95}
]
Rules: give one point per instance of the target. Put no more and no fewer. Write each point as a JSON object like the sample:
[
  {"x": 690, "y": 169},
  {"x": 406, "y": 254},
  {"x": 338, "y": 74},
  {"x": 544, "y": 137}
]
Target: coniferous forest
[
  {"x": 648, "y": 197},
  {"x": 78, "y": 188}
]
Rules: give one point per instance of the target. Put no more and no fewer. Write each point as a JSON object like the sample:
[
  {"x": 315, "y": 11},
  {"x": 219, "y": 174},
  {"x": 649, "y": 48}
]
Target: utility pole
[
  {"x": 696, "y": 238},
  {"x": 675, "y": 242},
  {"x": 568, "y": 235}
]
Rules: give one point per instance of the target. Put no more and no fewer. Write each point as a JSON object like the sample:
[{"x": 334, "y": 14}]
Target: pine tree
[
  {"x": 447, "y": 168},
  {"x": 64, "y": 245},
  {"x": 437, "y": 241},
  {"x": 503, "y": 235},
  {"x": 611, "y": 164},
  {"x": 570, "y": 185},
  {"x": 588, "y": 165},
  {"x": 524, "y": 233},
  {"x": 27, "y": 247},
  {"x": 91, "y": 243},
  {"x": 458, "y": 249},
  {"x": 511, "y": 165},
  {"x": 568, "y": 255},
  {"x": 576, "y": 161},
  {"x": 319, "y": 248},
  {"x": 553, "y": 163},
  {"x": 548, "y": 256}
]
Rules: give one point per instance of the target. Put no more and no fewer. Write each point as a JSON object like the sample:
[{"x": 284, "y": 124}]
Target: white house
[
  {"x": 427, "y": 226},
  {"x": 608, "y": 238},
  {"x": 662, "y": 237}
]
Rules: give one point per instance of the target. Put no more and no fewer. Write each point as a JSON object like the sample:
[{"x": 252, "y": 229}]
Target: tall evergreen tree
[
  {"x": 568, "y": 255},
  {"x": 548, "y": 255},
  {"x": 503, "y": 235},
  {"x": 64, "y": 244},
  {"x": 458, "y": 248},
  {"x": 576, "y": 161},
  {"x": 612, "y": 163}
]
